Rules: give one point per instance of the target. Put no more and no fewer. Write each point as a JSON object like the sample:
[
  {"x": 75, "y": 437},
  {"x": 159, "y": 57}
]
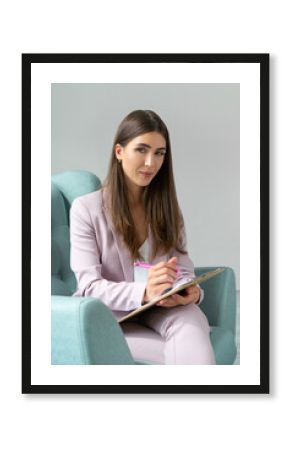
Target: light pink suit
[{"x": 103, "y": 267}]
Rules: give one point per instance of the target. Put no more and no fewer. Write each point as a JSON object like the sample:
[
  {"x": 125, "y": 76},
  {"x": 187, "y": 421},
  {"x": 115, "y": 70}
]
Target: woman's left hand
[{"x": 192, "y": 294}]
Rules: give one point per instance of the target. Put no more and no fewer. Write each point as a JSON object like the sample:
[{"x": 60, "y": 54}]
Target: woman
[{"x": 135, "y": 216}]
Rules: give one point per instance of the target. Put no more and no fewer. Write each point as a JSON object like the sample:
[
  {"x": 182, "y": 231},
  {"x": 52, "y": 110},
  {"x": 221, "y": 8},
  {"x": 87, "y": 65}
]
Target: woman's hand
[
  {"x": 160, "y": 277},
  {"x": 192, "y": 294}
]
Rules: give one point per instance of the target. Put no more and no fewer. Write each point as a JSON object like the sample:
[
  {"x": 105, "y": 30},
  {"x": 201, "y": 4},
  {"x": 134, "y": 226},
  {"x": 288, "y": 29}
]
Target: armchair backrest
[{"x": 65, "y": 187}]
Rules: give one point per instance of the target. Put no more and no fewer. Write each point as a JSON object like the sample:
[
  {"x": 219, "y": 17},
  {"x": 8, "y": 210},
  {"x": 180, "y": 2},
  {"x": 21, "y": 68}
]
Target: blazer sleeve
[
  {"x": 184, "y": 262},
  {"x": 85, "y": 260}
]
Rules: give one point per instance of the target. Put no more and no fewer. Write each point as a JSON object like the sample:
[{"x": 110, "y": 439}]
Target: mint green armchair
[{"x": 84, "y": 330}]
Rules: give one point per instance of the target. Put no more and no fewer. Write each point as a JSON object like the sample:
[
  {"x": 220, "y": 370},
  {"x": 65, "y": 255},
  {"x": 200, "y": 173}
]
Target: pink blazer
[{"x": 100, "y": 259}]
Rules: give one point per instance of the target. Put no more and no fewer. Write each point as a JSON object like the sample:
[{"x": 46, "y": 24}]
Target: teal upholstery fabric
[
  {"x": 65, "y": 187},
  {"x": 84, "y": 331},
  {"x": 223, "y": 342},
  {"x": 62, "y": 278},
  {"x": 219, "y": 305}
]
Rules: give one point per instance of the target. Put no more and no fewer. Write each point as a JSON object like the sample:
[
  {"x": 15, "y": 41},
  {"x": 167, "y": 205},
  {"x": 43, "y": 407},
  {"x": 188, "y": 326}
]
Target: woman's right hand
[{"x": 160, "y": 277}]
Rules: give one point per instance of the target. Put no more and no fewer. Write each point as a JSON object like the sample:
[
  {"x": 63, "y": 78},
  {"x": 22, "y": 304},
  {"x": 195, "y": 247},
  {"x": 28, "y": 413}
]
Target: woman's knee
[
  {"x": 189, "y": 314},
  {"x": 185, "y": 320}
]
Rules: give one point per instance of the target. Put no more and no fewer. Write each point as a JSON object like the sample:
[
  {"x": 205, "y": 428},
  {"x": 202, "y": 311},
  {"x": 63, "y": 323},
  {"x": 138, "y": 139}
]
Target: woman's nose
[{"x": 149, "y": 160}]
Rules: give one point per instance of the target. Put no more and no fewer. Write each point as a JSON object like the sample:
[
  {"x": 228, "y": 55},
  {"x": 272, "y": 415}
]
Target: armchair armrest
[
  {"x": 219, "y": 302},
  {"x": 84, "y": 331},
  {"x": 219, "y": 305}
]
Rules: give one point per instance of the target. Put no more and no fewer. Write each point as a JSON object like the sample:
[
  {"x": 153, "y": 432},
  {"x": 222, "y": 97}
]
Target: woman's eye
[{"x": 143, "y": 150}]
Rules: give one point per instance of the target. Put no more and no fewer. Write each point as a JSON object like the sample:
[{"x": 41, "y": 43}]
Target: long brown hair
[{"x": 159, "y": 197}]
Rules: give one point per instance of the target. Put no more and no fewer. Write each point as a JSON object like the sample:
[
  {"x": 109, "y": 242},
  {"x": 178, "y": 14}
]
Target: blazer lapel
[{"x": 123, "y": 251}]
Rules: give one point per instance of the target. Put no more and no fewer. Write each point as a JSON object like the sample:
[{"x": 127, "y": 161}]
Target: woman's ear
[{"x": 118, "y": 151}]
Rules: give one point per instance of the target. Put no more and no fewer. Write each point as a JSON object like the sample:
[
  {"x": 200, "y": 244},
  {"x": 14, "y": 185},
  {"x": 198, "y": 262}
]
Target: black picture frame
[{"x": 248, "y": 58}]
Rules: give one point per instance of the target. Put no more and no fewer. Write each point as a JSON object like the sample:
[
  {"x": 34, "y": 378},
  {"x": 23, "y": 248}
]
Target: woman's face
[{"x": 142, "y": 158}]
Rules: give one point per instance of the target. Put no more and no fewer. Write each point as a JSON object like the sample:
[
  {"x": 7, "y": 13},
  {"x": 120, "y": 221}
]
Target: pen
[{"x": 147, "y": 266}]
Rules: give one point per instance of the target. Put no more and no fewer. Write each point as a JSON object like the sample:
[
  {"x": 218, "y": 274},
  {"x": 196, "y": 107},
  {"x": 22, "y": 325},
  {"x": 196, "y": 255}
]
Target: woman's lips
[{"x": 147, "y": 174}]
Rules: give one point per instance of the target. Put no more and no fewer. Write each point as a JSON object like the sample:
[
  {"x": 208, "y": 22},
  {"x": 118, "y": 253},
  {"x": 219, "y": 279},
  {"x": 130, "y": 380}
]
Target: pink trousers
[{"x": 178, "y": 335}]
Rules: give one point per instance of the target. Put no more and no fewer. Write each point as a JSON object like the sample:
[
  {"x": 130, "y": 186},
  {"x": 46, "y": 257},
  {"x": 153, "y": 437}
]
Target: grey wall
[{"x": 204, "y": 126}]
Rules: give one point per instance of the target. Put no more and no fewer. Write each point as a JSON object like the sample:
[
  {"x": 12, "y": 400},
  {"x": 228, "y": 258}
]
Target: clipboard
[{"x": 178, "y": 286}]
